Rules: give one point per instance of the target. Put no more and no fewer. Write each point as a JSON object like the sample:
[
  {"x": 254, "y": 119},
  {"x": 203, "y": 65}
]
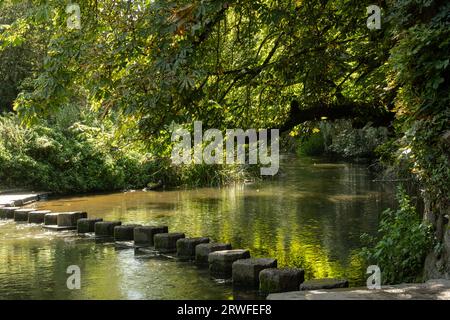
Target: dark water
[{"x": 311, "y": 217}]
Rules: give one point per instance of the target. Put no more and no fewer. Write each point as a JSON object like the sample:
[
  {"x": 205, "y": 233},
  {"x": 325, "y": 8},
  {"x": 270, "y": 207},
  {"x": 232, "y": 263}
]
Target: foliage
[
  {"x": 313, "y": 145},
  {"x": 351, "y": 143},
  {"x": 20, "y": 52},
  {"x": 86, "y": 158},
  {"x": 77, "y": 159},
  {"x": 419, "y": 68},
  {"x": 341, "y": 139},
  {"x": 420, "y": 65},
  {"x": 404, "y": 242},
  {"x": 228, "y": 63}
]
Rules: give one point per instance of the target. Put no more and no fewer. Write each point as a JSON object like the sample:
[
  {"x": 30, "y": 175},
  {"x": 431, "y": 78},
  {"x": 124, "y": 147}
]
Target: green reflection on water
[{"x": 311, "y": 217}]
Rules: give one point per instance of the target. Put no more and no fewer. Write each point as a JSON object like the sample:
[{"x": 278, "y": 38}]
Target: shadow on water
[{"x": 311, "y": 217}]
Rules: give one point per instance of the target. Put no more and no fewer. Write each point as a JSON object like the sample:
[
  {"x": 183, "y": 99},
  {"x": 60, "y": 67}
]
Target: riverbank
[{"x": 83, "y": 157}]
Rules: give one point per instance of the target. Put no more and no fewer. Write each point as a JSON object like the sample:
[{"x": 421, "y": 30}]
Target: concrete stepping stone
[
  {"x": 203, "y": 250},
  {"x": 24, "y": 201},
  {"x": 37, "y": 217},
  {"x": 8, "y": 212},
  {"x": 144, "y": 235},
  {"x": 318, "y": 284},
  {"x": 69, "y": 219},
  {"x": 167, "y": 242},
  {"x": 51, "y": 219},
  {"x": 21, "y": 215},
  {"x": 245, "y": 272},
  {"x": 186, "y": 247},
  {"x": 85, "y": 225},
  {"x": 221, "y": 262},
  {"x": 106, "y": 228},
  {"x": 125, "y": 232},
  {"x": 61, "y": 221},
  {"x": 280, "y": 280}
]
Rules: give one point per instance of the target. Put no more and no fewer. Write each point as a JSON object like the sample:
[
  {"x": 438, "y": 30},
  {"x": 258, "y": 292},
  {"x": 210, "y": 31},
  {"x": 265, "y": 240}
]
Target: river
[{"x": 310, "y": 217}]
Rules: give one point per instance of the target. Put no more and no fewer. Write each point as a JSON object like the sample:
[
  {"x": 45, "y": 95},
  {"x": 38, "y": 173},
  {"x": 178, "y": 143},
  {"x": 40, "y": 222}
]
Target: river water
[{"x": 310, "y": 217}]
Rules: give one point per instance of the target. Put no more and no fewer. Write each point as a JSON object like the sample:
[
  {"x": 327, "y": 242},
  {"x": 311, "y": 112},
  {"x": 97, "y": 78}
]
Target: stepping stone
[
  {"x": 144, "y": 235},
  {"x": 27, "y": 200},
  {"x": 318, "y": 284},
  {"x": 280, "y": 280},
  {"x": 106, "y": 228},
  {"x": 69, "y": 219},
  {"x": 8, "y": 212},
  {"x": 186, "y": 247},
  {"x": 21, "y": 215},
  {"x": 203, "y": 250},
  {"x": 220, "y": 262},
  {"x": 37, "y": 217},
  {"x": 167, "y": 242},
  {"x": 51, "y": 219},
  {"x": 125, "y": 232},
  {"x": 246, "y": 271},
  {"x": 85, "y": 225}
]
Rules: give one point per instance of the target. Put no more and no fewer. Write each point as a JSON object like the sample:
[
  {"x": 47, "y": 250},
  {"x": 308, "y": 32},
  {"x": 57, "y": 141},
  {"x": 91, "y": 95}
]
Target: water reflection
[{"x": 311, "y": 217}]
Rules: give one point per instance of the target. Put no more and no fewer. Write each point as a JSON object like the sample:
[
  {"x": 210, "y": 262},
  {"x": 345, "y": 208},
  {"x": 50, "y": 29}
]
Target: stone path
[{"x": 438, "y": 289}]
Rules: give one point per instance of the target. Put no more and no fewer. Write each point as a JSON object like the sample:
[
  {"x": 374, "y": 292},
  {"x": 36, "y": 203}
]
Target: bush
[
  {"x": 77, "y": 159},
  {"x": 314, "y": 145},
  {"x": 349, "y": 142},
  {"x": 85, "y": 158},
  {"x": 404, "y": 243},
  {"x": 340, "y": 139}
]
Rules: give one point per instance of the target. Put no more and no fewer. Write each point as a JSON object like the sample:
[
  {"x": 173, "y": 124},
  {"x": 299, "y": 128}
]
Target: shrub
[
  {"x": 314, "y": 145},
  {"x": 349, "y": 142},
  {"x": 77, "y": 159},
  {"x": 84, "y": 158},
  {"x": 339, "y": 138},
  {"x": 404, "y": 243}
]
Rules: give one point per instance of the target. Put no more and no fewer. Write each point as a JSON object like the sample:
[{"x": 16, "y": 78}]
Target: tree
[
  {"x": 229, "y": 63},
  {"x": 20, "y": 53}
]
